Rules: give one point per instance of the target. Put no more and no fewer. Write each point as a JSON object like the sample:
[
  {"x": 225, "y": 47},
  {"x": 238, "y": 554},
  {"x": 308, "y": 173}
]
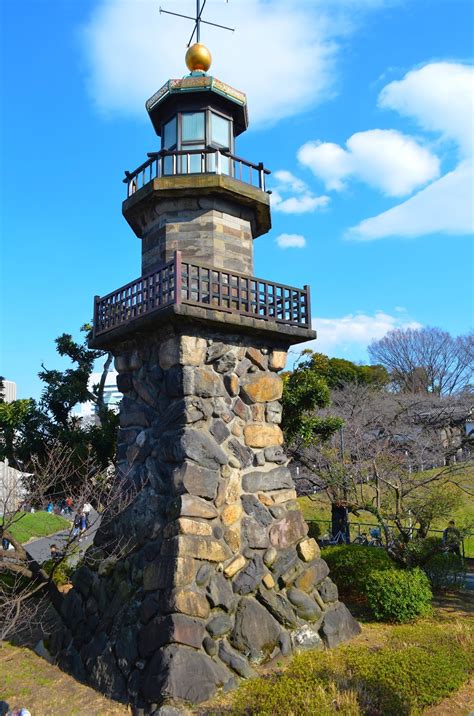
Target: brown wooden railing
[
  {"x": 195, "y": 161},
  {"x": 196, "y": 285}
]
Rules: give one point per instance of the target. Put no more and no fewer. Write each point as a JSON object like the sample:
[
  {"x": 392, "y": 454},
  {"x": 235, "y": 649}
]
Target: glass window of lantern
[
  {"x": 169, "y": 141},
  {"x": 192, "y": 127},
  {"x": 170, "y": 134},
  {"x": 220, "y": 138},
  {"x": 220, "y": 131}
]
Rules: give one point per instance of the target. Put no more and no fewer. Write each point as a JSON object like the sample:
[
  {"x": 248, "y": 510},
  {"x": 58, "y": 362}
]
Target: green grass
[
  {"x": 37, "y": 524},
  {"x": 413, "y": 668}
]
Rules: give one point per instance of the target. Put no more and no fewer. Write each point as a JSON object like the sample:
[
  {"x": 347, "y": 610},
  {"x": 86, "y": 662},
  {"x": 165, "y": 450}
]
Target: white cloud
[
  {"x": 304, "y": 201},
  {"x": 444, "y": 206},
  {"x": 382, "y": 158},
  {"x": 353, "y": 333},
  {"x": 298, "y": 204},
  {"x": 291, "y": 241},
  {"x": 440, "y": 97},
  {"x": 131, "y": 50},
  {"x": 327, "y": 161},
  {"x": 285, "y": 177}
]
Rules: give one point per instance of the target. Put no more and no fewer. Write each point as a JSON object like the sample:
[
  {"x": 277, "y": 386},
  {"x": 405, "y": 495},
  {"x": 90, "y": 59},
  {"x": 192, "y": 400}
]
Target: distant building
[
  {"x": 112, "y": 397},
  {"x": 9, "y": 390},
  {"x": 12, "y": 489}
]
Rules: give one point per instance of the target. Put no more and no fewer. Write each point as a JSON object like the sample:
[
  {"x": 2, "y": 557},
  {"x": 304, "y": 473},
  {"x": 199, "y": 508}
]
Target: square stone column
[{"x": 209, "y": 571}]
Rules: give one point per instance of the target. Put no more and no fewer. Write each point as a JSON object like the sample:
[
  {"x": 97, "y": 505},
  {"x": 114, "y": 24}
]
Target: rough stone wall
[
  {"x": 209, "y": 570},
  {"x": 210, "y": 231}
]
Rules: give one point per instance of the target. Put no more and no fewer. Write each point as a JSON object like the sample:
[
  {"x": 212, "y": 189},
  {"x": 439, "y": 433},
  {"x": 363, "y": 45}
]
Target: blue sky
[{"x": 363, "y": 110}]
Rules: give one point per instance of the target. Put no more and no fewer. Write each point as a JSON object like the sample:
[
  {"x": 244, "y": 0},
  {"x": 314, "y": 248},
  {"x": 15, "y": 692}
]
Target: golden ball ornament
[{"x": 198, "y": 57}]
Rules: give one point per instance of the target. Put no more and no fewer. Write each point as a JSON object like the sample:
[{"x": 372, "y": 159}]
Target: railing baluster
[{"x": 180, "y": 282}]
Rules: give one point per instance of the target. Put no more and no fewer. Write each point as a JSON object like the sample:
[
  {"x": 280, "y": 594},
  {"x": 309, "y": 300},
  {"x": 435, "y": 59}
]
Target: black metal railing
[
  {"x": 195, "y": 161},
  {"x": 196, "y": 285}
]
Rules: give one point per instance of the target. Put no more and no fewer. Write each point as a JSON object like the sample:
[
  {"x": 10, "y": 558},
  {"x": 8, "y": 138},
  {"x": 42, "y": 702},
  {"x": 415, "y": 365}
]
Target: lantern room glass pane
[
  {"x": 220, "y": 131},
  {"x": 192, "y": 162},
  {"x": 192, "y": 129},
  {"x": 170, "y": 134},
  {"x": 224, "y": 162}
]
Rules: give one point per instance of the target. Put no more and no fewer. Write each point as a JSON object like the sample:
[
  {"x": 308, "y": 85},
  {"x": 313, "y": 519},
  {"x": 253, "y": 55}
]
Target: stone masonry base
[{"x": 208, "y": 570}]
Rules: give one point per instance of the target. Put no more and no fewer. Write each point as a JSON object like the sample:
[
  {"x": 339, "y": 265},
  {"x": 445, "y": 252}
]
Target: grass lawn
[
  {"x": 390, "y": 670},
  {"x": 319, "y": 508},
  {"x": 28, "y": 681},
  {"x": 37, "y": 524}
]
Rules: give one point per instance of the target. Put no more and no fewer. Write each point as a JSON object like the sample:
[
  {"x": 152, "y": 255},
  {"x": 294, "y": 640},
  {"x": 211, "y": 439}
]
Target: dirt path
[{"x": 461, "y": 704}]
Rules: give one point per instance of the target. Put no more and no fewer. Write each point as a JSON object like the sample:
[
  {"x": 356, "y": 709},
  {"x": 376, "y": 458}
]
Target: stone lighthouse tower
[{"x": 208, "y": 570}]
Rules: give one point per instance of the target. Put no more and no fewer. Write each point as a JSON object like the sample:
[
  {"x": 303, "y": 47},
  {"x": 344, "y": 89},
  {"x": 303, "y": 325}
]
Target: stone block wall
[
  {"x": 209, "y": 570},
  {"x": 211, "y": 231}
]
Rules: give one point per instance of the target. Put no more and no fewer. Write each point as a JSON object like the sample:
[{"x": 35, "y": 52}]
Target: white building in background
[
  {"x": 9, "y": 389},
  {"x": 12, "y": 489},
  {"x": 112, "y": 397}
]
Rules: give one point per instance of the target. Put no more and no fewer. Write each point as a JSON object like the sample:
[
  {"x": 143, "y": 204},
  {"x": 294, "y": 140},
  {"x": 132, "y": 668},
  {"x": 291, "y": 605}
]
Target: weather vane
[{"x": 200, "y": 5}]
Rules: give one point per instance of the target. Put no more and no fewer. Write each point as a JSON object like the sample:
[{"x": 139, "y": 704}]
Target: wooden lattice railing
[{"x": 196, "y": 285}]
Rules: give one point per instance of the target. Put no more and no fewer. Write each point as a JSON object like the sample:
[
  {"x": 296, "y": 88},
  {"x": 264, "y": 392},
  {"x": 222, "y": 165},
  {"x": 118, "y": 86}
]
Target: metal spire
[{"x": 200, "y": 4}]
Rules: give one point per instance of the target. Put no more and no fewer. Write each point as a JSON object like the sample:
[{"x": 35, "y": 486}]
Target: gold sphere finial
[{"x": 198, "y": 57}]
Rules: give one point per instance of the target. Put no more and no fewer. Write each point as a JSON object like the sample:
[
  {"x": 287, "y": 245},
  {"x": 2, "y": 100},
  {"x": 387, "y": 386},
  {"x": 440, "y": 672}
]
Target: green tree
[
  {"x": 337, "y": 372},
  {"x": 27, "y": 428},
  {"x": 306, "y": 390}
]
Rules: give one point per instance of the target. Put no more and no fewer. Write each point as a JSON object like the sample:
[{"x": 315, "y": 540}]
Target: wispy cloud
[
  {"x": 291, "y": 241},
  {"x": 131, "y": 50},
  {"x": 292, "y": 196},
  {"x": 446, "y": 206},
  {"x": 439, "y": 97},
  {"x": 352, "y": 333}
]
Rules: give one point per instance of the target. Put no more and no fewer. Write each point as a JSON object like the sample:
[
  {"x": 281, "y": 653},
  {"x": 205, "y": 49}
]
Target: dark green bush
[
  {"x": 398, "y": 595},
  {"x": 351, "y": 565},
  {"x": 445, "y": 571}
]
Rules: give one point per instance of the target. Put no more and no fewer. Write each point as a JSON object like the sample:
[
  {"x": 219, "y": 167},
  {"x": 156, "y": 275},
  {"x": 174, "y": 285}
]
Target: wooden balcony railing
[
  {"x": 189, "y": 283},
  {"x": 195, "y": 161}
]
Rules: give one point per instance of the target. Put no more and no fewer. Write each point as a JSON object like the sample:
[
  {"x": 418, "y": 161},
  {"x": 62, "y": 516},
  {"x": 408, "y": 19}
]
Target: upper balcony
[{"x": 188, "y": 162}]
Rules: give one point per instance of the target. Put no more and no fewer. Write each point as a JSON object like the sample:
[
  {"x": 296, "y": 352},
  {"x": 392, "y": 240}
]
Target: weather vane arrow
[{"x": 197, "y": 21}]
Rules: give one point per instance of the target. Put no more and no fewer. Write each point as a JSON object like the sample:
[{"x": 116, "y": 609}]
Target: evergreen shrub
[
  {"x": 398, "y": 595},
  {"x": 416, "y": 666},
  {"x": 445, "y": 571},
  {"x": 352, "y": 564}
]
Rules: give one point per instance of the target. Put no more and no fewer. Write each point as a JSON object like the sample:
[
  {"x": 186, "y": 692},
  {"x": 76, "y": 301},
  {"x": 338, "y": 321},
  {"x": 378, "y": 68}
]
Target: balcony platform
[{"x": 181, "y": 291}]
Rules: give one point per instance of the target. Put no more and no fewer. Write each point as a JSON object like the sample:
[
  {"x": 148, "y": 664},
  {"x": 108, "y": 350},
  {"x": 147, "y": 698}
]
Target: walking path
[{"x": 39, "y": 549}]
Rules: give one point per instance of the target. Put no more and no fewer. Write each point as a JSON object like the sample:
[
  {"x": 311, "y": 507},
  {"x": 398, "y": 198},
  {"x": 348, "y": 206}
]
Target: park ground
[
  {"x": 314, "y": 680},
  {"x": 307, "y": 684}
]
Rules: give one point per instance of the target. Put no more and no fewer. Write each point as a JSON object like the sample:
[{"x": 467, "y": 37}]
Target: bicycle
[{"x": 329, "y": 540}]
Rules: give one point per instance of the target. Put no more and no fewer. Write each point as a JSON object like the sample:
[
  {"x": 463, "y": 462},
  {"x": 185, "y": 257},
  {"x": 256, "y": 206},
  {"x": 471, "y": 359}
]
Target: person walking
[
  {"x": 83, "y": 524},
  {"x": 452, "y": 538},
  {"x": 76, "y": 525}
]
